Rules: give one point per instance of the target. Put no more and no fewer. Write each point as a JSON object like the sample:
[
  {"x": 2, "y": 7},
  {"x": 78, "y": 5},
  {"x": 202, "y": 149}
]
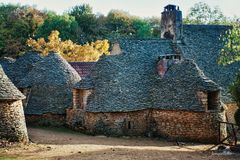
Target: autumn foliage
[{"x": 68, "y": 49}]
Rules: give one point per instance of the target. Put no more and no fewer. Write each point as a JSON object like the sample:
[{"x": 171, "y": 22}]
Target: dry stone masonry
[
  {"x": 130, "y": 98},
  {"x": 12, "y": 120},
  {"x": 149, "y": 87}
]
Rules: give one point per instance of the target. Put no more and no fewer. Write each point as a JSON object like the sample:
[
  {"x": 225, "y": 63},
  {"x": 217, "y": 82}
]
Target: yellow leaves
[{"x": 69, "y": 50}]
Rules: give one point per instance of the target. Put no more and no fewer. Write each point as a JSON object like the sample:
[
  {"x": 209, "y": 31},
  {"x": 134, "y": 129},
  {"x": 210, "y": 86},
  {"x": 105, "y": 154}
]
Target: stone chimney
[{"x": 171, "y": 23}]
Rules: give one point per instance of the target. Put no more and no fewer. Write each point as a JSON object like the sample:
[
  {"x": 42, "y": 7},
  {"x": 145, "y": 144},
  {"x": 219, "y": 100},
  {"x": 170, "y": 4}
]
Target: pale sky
[{"x": 142, "y": 8}]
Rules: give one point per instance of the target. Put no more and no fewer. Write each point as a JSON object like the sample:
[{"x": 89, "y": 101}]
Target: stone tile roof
[
  {"x": 203, "y": 45},
  {"x": 51, "y": 82},
  {"x": 129, "y": 81},
  {"x": 21, "y": 67},
  {"x": 7, "y": 89},
  {"x": 86, "y": 83},
  {"x": 83, "y": 68}
]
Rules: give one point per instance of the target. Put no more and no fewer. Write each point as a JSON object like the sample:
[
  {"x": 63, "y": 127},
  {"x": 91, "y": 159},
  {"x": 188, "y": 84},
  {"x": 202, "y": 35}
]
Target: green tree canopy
[
  {"x": 202, "y": 13},
  {"x": 120, "y": 22},
  {"x": 142, "y": 28},
  {"x": 17, "y": 24},
  {"x": 87, "y": 22},
  {"x": 65, "y": 24},
  {"x": 231, "y": 45},
  {"x": 154, "y": 23}
]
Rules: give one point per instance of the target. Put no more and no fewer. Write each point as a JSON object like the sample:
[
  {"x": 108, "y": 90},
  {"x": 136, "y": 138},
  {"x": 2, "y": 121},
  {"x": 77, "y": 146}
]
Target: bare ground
[{"x": 61, "y": 144}]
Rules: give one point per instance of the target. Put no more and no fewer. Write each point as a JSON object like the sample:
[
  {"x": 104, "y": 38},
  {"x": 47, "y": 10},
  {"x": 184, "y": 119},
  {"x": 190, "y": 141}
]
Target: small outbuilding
[
  {"x": 12, "y": 119},
  {"x": 51, "y": 82}
]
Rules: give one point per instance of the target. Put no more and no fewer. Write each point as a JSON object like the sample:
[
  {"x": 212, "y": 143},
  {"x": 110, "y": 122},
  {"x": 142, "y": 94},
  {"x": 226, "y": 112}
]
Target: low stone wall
[
  {"x": 170, "y": 124},
  {"x": 114, "y": 124},
  {"x": 75, "y": 119},
  {"x": 47, "y": 119},
  {"x": 188, "y": 126},
  {"x": 12, "y": 121},
  {"x": 117, "y": 123}
]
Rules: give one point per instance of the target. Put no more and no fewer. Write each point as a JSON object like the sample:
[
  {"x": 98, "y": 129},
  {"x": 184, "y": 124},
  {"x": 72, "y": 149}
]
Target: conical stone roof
[
  {"x": 7, "y": 89},
  {"x": 51, "y": 82},
  {"x": 17, "y": 70}
]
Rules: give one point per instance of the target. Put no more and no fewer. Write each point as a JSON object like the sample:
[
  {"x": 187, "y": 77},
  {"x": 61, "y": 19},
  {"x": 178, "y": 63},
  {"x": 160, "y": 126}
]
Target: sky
[{"x": 142, "y": 8}]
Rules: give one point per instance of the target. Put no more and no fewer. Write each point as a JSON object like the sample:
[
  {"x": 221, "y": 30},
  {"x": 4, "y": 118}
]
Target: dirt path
[{"x": 61, "y": 144}]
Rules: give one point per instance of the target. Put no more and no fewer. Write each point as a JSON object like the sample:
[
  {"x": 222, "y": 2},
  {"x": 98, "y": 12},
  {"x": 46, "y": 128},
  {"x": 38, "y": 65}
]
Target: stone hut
[
  {"x": 12, "y": 120},
  {"x": 51, "y": 81},
  {"x": 18, "y": 69},
  {"x": 128, "y": 95}
]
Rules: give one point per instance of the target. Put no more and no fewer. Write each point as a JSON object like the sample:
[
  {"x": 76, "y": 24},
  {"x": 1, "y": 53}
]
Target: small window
[
  {"x": 129, "y": 125},
  {"x": 213, "y": 100}
]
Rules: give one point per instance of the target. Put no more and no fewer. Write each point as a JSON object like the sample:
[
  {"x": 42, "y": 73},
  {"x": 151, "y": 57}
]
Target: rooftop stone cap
[
  {"x": 51, "y": 70},
  {"x": 7, "y": 89}
]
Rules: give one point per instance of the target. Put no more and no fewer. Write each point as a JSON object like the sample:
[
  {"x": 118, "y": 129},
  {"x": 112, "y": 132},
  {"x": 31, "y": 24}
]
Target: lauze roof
[
  {"x": 202, "y": 44},
  {"x": 51, "y": 82},
  {"x": 7, "y": 89},
  {"x": 129, "y": 81}
]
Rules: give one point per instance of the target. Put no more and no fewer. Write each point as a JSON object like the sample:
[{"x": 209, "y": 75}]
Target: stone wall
[
  {"x": 80, "y": 97},
  {"x": 187, "y": 126},
  {"x": 114, "y": 124},
  {"x": 118, "y": 123},
  {"x": 26, "y": 92},
  {"x": 170, "y": 124},
  {"x": 231, "y": 110},
  {"x": 12, "y": 121},
  {"x": 47, "y": 119},
  {"x": 75, "y": 118}
]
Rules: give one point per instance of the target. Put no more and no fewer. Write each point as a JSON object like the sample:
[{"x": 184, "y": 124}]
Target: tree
[
  {"x": 17, "y": 24},
  {"x": 235, "y": 92},
  {"x": 86, "y": 20},
  {"x": 230, "y": 53},
  {"x": 154, "y": 23},
  {"x": 69, "y": 50},
  {"x": 120, "y": 22},
  {"x": 202, "y": 13},
  {"x": 142, "y": 28},
  {"x": 66, "y": 24},
  {"x": 231, "y": 45}
]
